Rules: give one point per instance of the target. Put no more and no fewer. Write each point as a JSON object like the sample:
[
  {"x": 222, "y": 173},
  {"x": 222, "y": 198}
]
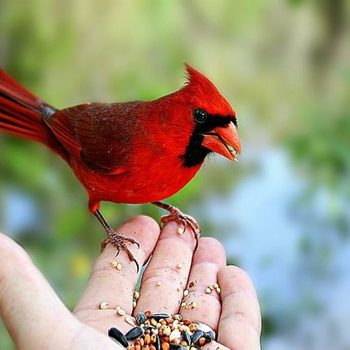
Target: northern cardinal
[{"x": 131, "y": 152}]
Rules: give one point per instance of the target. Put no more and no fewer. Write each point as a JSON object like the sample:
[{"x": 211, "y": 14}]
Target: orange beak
[{"x": 223, "y": 140}]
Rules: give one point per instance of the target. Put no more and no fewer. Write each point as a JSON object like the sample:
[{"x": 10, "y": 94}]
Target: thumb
[{"x": 31, "y": 311}]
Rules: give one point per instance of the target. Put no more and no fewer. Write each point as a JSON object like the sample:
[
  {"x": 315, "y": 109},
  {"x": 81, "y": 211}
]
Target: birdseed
[
  {"x": 103, "y": 306},
  {"x": 130, "y": 320},
  {"x": 121, "y": 312},
  {"x": 180, "y": 231},
  {"x": 212, "y": 287},
  {"x": 116, "y": 265},
  {"x": 160, "y": 331},
  {"x": 192, "y": 284}
]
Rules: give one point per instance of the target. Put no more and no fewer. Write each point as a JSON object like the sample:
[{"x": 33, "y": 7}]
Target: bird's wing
[{"x": 99, "y": 134}]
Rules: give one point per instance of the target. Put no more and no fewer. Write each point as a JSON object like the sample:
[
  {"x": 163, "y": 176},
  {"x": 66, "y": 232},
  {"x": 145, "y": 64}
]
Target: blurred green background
[{"x": 282, "y": 212}]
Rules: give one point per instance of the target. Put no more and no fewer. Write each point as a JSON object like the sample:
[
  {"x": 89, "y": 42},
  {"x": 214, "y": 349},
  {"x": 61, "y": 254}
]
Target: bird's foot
[
  {"x": 121, "y": 243},
  {"x": 185, "y": 221}
]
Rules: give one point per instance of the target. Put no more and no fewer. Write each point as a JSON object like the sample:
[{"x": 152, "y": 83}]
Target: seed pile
[
  {"x": 212, "y": 287},
  {"x": 160, "y": 331},
  {"x": 116, "y": 265}
]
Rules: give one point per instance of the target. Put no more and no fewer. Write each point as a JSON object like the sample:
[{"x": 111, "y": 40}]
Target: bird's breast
[{"x": 141, "y": 181}]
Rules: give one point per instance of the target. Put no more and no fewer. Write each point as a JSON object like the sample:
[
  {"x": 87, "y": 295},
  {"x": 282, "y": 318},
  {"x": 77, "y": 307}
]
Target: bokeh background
[{"x": 282, "y": 212}]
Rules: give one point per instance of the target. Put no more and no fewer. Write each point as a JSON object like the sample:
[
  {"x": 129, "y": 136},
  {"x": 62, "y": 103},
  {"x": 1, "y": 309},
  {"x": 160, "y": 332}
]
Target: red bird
[{"x": 131, "y": 152}]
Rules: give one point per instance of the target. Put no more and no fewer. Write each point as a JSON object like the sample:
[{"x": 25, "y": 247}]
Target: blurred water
[
  {"x": 306, "y": 290},
  {"x": 264, "y": 230}
]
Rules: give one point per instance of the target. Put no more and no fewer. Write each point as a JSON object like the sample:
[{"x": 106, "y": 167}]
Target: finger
[
  {"x": 200, "y": 305},
  {"x": 28, "y": 305},
  {"x": 240, "y": 321},
  {"x": 112, "y": 286},
  {"x": 166, "y": 276}
]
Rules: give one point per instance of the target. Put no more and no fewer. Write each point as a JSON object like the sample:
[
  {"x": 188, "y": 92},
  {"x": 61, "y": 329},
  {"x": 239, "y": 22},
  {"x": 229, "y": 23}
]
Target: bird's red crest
[{"x": 204, "y": 94}]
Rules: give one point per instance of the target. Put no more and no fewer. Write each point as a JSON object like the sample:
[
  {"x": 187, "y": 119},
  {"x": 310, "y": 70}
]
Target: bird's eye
[{"x": 200, "y": 116}]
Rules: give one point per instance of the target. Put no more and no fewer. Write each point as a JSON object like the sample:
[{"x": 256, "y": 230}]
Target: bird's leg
[
  {"x": 120, "y": 242},
  {"x": 180, "y": 218}
]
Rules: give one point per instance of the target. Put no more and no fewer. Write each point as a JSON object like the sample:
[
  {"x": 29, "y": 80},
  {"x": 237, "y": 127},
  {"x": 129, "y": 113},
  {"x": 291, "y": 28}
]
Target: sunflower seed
[
  {"x": 187, "y": 337},
  {"x": 160, "y": 315},
  {"x": 157, "y": 343},
  {"x": 177, "y": 347},
  {"x": 209, "y": 336},
  {"x": 134, "y": 333},
  {"x": 196, "y": 336},
  {"x": 141, "y": 318},
  {"x": 116, "y": 334}
]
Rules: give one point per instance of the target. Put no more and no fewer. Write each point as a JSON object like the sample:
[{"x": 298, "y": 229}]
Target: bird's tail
[{"x": 21, "y": 114}]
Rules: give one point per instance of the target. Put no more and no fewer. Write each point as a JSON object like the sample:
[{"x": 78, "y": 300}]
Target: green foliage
[{"x": 322, "y": 147}]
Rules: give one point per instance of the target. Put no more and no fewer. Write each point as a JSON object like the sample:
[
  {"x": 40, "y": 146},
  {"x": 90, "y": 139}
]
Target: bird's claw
[
  {"x": 121, "y": 242},
  {"x": 185, "y": 221}
]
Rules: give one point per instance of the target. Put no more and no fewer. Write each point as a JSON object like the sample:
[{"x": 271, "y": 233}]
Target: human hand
[{"x": 37, "y": 319}]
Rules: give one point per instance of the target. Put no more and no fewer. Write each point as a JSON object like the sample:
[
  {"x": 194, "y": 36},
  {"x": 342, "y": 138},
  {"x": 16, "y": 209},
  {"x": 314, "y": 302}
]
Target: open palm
[{"x": 37, "y": 319}]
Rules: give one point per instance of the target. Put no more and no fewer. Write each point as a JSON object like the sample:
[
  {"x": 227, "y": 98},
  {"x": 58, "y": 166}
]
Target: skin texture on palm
[{"x": 36, "y": 318}]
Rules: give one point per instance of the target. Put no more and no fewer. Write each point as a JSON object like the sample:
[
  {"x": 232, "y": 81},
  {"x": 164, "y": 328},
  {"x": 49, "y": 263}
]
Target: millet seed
[{"x": 103, "y": 306}]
